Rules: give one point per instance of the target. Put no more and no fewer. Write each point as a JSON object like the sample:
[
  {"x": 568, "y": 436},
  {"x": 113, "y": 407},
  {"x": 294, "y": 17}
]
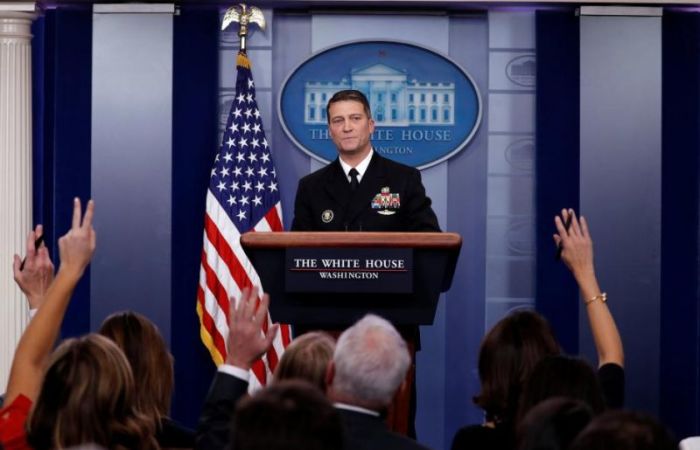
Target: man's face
[{"x": 350, "y": 128}]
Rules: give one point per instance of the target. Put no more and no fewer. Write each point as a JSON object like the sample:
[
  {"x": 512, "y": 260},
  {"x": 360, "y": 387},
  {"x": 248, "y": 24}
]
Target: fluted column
[{"x": 15, "y": 172}]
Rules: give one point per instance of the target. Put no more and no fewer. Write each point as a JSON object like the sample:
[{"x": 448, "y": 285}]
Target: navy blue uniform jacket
[{"x": 325, "y": 202}]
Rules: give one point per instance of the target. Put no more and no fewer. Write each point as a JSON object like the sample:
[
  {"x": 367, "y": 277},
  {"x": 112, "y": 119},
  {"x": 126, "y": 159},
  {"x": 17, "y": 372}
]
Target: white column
[{"x": 15, "y": 169}]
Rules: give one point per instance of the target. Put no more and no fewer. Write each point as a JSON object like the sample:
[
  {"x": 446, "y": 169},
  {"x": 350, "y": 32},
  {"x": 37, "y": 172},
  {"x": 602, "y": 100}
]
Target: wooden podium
[{"x": 329, "y": 280}]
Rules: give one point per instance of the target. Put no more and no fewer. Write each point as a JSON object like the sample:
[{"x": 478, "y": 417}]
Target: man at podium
[
  {"x": 363, "y": 191},
  {"x": 360, "y": 190}
]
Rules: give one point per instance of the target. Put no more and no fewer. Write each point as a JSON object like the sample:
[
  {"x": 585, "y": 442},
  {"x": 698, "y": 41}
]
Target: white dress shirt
[{"x": 361, "y": 168}]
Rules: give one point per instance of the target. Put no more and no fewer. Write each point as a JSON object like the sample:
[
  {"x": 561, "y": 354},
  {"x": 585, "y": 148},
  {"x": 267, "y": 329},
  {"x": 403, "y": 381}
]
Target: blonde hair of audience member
[
  {"x": 88, "y": 396},
  {"x": 307, "y": 358},
  {"x": 150, "y": 360},
  {"x": 369, "y": 364}
]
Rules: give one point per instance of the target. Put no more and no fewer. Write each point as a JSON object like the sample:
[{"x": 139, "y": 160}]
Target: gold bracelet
[{"x": 603, "y": 297}]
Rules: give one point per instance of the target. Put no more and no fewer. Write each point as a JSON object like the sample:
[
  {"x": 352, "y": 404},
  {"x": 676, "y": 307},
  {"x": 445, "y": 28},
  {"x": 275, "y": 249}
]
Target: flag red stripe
[
  {"x": 274, "y": 220},
  {"x": 240, "y": 276},
  {"x": 221, "y": 297},
  {"x": 286, "y": 335},
  {"x": 259, "y": 371},
  {"x": 272, "y": 359},
  {"x": 215, "y": 287},
  {"x": 208, "y": 324}
]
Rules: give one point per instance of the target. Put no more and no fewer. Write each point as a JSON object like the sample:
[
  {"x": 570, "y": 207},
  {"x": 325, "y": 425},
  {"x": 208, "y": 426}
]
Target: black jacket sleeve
[
  {"x": 214, "y": 427},
  {"x": 302, "y": 210},
  {"x": 420, "y": 214}
]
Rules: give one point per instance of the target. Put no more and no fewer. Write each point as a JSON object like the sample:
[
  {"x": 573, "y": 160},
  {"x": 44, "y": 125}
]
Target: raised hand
[
  {"x": 246, "y": 340},
  {"x": 577, "y": 254},
  {"x": 37, "y": 274},
  {"x": 77, "y": 246},
  {"x": 576, "y": 244}
]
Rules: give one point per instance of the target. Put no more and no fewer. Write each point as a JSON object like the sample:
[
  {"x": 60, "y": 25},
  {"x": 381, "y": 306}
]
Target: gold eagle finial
[{"x": 245, "y": 15}]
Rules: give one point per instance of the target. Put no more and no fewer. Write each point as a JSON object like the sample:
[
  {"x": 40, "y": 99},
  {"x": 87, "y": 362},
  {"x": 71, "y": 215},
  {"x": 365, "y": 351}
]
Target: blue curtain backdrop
[
  {"x": 679, "y": 381},
  {"x": 557, "y": 162},
  {"x": 195, "y": 131},
  {"x": 62, "y": 60}
]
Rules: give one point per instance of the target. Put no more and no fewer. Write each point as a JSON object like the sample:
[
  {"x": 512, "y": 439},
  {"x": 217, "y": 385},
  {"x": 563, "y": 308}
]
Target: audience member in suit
[
  {"x": 512, "y": 348},
  {"x": 369, "y": 365},
  {"x": 553, "y": 424},
  {"x": 624, "y": 430},
  {"x": 152, "y": 365},
  {"x": 29, "y": 363},
  {"x": 246, "y": 343},
  {"x": 287, "y": 415},
  {"x": 307, "y": 358},
  {"x": 89, "y": 396}
]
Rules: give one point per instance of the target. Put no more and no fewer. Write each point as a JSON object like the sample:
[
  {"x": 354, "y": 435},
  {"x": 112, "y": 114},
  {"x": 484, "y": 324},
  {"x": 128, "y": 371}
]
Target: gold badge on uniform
[
  {"x": 327, "y": 216},
  {"x": 386, "y": 202}
]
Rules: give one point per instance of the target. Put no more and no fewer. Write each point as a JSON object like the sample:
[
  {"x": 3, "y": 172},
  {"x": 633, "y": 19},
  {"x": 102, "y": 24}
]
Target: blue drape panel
[
  {"x": 557, "y": 164},
  {"x": 679, "y": 396},
  {"x": 62, "y": 57},
  {"x": 195, "y": 131}
]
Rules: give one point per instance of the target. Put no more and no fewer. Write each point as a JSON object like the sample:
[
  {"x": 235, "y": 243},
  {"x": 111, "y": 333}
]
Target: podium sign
[
  {"x": 303, "y": 297},
  {"x": 351, "y": 270}
]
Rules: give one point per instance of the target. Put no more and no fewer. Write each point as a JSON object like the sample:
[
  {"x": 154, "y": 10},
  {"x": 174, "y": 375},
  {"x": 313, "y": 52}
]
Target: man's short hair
[
  {"x": 287, "y": 415},
  {"x": 348, "y": 95},
  {"x": 371, "y": 360}
]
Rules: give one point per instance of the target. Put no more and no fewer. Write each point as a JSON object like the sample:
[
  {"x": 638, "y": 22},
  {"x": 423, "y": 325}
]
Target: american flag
[{"x": 243, "y": 195}]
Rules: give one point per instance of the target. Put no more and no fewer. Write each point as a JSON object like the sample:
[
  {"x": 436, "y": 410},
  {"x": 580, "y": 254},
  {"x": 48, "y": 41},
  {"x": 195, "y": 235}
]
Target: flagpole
[{"x": 245, "y": 16}]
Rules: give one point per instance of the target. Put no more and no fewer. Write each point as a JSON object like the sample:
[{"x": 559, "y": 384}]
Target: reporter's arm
[
  {"x": 577, "y": 254},
  {"x": 35, "y": 345}
]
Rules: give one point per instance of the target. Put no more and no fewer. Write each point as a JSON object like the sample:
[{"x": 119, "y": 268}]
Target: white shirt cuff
[{"x": 234, "y": 371}]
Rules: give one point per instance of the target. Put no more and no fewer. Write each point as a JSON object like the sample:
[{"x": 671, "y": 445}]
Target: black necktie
[{"x": 353, "y": 179}]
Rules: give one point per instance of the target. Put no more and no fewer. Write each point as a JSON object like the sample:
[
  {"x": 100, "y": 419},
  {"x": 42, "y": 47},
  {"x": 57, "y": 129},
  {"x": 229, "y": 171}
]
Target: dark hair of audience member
[
  {"x": 150, "y": 360},
  {"x": 507, "y": 356},
  {"x": 553, "y": 424},
  {"x": 291, "y": 414},
  {"x": 88, "y": 396},
  {"x": 624, "y": 430},
  {"x": 562, "y": 376},
  {"x": 307, "y": 358}
]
